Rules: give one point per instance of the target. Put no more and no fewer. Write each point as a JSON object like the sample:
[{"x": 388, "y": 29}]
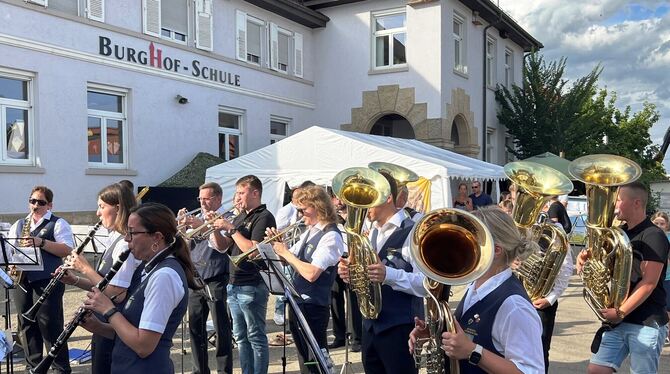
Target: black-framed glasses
[
  {"x": 131, "y": 233},
  {"x": 205, "y": 198},
  {"x": 473, "y": 187},
  {"x": 38, "y": 202}
]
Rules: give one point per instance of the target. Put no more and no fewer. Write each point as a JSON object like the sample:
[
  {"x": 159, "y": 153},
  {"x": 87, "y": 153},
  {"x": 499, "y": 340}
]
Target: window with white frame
[
  {"x": 92, "y": 9},
  {"x": 255, "y": 40},
  {"x": 460, "y": 44},
  {"x": 230, "y": 133},
  {"x": 389, "y": 38},
  {"x": 509, "y": 68},
  {"x": 107, "y": 130},
  {"x": 16, "y": 115},
  {"x": 174, "y": 20},
  {"x": 278, "y": 129},
  {"x": 490, "y": 139},
  {"x": 509, "y": 145},
  {"x": 490, "y": 62},
  {"x": 283, "y": 50}
]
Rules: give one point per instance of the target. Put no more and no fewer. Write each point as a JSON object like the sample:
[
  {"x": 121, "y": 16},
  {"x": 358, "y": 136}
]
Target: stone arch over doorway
[{"x": 460, "y": 122}]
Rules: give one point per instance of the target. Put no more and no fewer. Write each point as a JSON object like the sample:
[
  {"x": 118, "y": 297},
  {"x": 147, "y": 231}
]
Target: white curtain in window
[{"x": 151, "y": 17}]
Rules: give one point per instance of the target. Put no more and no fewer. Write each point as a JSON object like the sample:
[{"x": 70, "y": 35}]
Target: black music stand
[{"x": 276, "y": 281}]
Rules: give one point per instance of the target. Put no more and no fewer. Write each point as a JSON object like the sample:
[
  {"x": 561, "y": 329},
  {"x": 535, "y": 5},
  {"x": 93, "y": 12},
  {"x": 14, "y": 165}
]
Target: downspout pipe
[{"x": 484, "y": 129}]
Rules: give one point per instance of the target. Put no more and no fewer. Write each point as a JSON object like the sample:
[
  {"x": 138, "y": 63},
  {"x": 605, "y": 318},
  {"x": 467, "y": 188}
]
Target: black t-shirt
[
  {"x": 558, "y": 211},
  {"x": 649, "y": 244},
  {"x": 252, "y": 226}
]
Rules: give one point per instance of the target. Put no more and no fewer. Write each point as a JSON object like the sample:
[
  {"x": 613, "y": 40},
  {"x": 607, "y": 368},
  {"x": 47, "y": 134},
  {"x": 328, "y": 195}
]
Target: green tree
[{"x": 545, "y": 115}]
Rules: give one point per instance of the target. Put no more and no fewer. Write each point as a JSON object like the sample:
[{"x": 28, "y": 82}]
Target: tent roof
[
  {"x": 193, "y": 174},
  {"x": 321, "y": 152},
  {"x": 553, "y": 161}
]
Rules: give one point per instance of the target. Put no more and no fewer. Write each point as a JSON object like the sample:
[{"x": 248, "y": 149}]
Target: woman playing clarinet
[
  {"x": 143, "y": 327},
  {"x": 114, "y": 204}
]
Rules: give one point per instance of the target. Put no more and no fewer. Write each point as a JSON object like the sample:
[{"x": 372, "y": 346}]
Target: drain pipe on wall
[{"x": 484, "y": 128}]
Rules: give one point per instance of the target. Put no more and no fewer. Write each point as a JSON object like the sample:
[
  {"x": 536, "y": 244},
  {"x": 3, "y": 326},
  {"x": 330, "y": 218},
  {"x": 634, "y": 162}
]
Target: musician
[
  {"x": 401, "y": 203},
  {"x": 212, "y": 266},
  {"x": 114, "y": 205},
  {"x": 53, "y": 236},
  {"x": 247, "y": 294},
  {"x": 313, "y": 260},
  {"x": 639, "y": 326},
  {"x": 402, "y": 289},
  {"x": 502, "y": 330},
  {"x": 157, "y": 296}
]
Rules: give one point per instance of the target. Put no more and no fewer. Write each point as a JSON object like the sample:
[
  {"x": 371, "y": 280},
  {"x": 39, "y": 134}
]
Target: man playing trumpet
[{"x": 212, "y": 266}]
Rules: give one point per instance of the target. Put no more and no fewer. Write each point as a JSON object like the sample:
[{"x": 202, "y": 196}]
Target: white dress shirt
[
  {"x": 327, "y": 252},
  {"x": 517, "y": 330},
  {"x": 163, "y": 293},
  {"x": 398, "y": 279},
  {"x": 125, "y": 274},
  {"x": 62, "y": 230},
  {"x": 563, "y": 277},
  {"x": 286, "y": 215}
]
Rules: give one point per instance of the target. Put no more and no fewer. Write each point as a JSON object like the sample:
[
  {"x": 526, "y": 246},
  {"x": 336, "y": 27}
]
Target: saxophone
[
  {"x": 606, "y": 274},
  {"x": 537, "y": 183},
  {"x": 26, "y": 241},
  {"x": 361, "y": 188}
]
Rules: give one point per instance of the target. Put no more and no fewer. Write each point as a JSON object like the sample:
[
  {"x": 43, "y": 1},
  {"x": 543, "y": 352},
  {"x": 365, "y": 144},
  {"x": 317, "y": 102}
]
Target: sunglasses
[{"x": 38, "y": 202}]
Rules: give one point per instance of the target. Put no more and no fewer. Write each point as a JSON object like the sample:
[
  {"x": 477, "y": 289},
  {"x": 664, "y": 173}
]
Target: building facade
[{"x": 95, "y": 91}]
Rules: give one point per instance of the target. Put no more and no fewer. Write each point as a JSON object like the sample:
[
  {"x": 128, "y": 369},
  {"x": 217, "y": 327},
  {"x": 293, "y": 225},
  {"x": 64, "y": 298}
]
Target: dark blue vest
[
  {"x": 107, "y": 260},
  {"x": 45, "y": 231},
  {"x": 319, "y": 290},
  {"x": 478, "y": 320},
  {"x": 398, "y": 308},
  {"x": 124, "y": 359},
  {"x": 208, "y": 261}
]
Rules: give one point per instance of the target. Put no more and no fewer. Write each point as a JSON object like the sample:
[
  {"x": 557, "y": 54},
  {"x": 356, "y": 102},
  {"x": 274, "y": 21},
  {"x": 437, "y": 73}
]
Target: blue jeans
[
  {"x": 643, "y": 343},
  {"x": 248, "y": 305}
]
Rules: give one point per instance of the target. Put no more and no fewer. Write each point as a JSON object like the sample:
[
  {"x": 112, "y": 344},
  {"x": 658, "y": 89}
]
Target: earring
[{"x": 154, "y": 247}]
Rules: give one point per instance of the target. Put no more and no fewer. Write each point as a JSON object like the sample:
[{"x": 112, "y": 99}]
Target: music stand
[{"x": 276, "y": 275}]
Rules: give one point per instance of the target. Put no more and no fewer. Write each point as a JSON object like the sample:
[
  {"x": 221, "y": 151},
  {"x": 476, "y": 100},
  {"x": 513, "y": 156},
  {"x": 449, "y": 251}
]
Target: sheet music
[
  {"x": 26, "y": 259},
  {"x": 274, "y": 277}
]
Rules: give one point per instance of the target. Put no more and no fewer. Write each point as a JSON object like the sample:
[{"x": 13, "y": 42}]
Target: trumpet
[
  {"x": 291, "y": 230},
  {"x": 183, "y": 226},
  {"x": 201, "y": 232}
]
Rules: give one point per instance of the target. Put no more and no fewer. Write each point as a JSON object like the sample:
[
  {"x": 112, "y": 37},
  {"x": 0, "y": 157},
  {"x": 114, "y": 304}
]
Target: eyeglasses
[
  {"x": 301, "y": 210},
  {"x": 131, "y": 233},
  {"x": 205, "y": 198},
  {"x": 473, "y": 187},
  {"x": 38, "y": 202}
]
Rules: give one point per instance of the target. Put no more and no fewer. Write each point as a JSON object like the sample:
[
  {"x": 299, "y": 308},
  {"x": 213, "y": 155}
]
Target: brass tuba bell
[
  {"x": 361, "y": 188},
  {"x": 450, "y": 247},
  {"x": 537, "y": 183},
  {"x": 606, "y": 274},
  {"x": 401, "y": 174}
]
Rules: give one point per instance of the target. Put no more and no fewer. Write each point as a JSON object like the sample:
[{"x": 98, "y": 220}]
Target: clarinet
[
  {"x": 31, "y": 314},
  {"x": 45, "y": 364}
]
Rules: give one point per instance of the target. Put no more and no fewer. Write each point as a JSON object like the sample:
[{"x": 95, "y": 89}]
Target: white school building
[{"x": 94, "y": 91}]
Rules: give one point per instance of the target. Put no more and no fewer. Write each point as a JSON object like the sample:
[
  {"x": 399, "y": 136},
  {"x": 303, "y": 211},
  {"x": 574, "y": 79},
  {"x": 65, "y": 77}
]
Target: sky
[{"x": 630, "y": 39}]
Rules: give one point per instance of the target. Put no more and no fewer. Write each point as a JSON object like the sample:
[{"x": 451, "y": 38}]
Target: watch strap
[
  {"x": 476, "y": 355},
  {"x": 110, "y": 312}
]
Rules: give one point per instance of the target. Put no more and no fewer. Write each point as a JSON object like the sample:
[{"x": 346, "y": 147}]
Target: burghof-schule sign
[{"x": 154, "y": 57}]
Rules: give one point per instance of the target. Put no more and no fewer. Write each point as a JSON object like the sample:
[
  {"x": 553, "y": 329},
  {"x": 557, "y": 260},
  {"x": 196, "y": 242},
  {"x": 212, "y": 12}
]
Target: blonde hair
[
  {"x": 317, "y": 197},
  {"x": 505, "y": 233}
]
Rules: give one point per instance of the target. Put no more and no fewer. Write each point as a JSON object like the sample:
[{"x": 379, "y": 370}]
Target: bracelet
[
  {"x": 620, "y": 313},
  {"x": 232, "y": 232},
  {"x": 110, "y": 313},
  {"x": 77, "y": 281}
]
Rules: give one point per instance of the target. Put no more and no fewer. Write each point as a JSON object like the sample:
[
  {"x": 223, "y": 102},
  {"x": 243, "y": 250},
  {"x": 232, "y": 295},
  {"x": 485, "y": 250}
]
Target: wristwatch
[
  {"x": 475, "y": 355},
  {"x": 231, "y": 232},
  {"x": 620, "y": 313},
  {"x": 110, "y": 313},
  {"x": 41, "y": 243}
]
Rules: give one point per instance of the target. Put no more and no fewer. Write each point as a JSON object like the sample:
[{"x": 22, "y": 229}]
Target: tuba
[
  {"x": 537, "y": 183},
  {"x": 467, "y": 256},
  {"x": 606, "y": 274},
  {"x": 401, "y": 174},
  {"x": 361, "y": 188}
]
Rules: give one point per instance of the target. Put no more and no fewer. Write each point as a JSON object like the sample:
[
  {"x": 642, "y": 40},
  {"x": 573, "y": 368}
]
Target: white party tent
[{"x": 317, "y": 154}]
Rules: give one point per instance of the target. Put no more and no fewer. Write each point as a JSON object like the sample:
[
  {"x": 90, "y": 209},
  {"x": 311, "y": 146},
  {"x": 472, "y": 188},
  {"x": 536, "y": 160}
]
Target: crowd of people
[{"x": 181, "y": 264}]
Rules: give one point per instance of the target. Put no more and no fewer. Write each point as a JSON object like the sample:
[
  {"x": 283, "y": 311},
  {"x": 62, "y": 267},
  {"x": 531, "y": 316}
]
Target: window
[
  {"x": 489, "y": 144},
  {"x": 66, "y": 6},
  {"x": 174, "y": 20},
  {"x": 490, "y": 62},
  {"x": 255, "y": 33},
  {"x": 278, "y": 129},
  {"x": 460, "y": 42},
  {"x": 509, "y": 68},
  {"x": 283, "y": 53},
  {"x": 107, "y": 127},
  {"x": 16, "y": 115},
  {"x": 509, "y": 145},
  {"x": 230, "y": 133},
  {"x": 389, "y": 39}
]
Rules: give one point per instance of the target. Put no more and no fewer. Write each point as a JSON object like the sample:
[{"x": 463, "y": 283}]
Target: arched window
[{"x": 393, "y": 125}]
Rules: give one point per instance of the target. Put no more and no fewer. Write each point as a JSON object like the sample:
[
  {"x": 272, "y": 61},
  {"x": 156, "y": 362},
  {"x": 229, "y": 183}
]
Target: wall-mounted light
[
  {"x": 503, "y": 33},
  {"x": 181, "y": 99},
  {"x": 475, "y": 18}
]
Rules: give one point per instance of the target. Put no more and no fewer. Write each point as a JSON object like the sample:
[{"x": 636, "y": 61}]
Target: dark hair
[
  {"x": 251, "y": 181},
  {"x": 639, "y": 190},
  {"x": 48, "y": 194},
  {"x": 122, "y": 197},
  {"x": 127, "y": 184},
  {"x": 215, "y": 187},
  {"x": 307, "y": 183},
  {"x": 157, "y": 217},
  {"x": 392, "y": 183}
]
